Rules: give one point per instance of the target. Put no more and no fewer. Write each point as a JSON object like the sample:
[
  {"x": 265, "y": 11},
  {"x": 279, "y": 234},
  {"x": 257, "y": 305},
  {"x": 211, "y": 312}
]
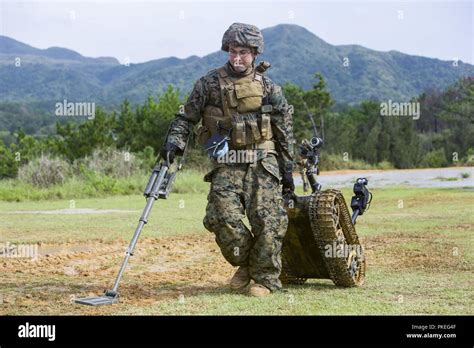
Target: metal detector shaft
[{"x": 151, "y": 192}]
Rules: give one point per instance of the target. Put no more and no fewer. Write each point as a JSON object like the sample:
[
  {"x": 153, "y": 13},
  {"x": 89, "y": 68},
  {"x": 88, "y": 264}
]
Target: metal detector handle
[
  {"x": 152, "y": 180},
  {"x": 156, "y": 179}
]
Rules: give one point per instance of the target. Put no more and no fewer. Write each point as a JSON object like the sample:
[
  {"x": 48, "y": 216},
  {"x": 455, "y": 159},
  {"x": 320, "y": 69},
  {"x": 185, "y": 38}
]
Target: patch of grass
[
  {"x": 179, "y": 214},
  {"x": 465, "y": 175},
  {"x": 338, "y": 161},
  {"x": 384, "y": 293},
  {"x": 443, "y": 178},
  {"x": 95, "y": 185}
]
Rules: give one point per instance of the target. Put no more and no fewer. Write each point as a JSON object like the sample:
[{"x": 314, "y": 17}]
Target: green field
[{"x": 418, "y": 243}]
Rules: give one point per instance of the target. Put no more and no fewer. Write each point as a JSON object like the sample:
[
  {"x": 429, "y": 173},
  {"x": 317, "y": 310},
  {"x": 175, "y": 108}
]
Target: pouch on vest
[
  {"x": 251, "y": 122},
  {"x": 239, "y": 134},
  {"x": 266, "y": 127},
  {"x": 231, "y": 97},
  {"x": 249, "y": 96},
  {"x": 202, "y": 134}
]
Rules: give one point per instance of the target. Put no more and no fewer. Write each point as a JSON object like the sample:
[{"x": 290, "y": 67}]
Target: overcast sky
[{"x": 142, "y": 31}]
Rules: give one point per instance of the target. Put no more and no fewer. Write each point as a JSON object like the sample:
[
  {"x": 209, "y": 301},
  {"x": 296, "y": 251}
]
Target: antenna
[{"x": 311, "y": 118}]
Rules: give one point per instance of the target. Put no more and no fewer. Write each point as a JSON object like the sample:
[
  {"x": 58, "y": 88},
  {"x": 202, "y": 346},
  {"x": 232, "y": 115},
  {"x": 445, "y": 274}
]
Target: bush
[
  {"x": 435, "y": 159},
  {"x": 197, "y": 159},
  {"x": 101, "y": 183},
  {"x": 147, "y": 158},
  {"x": 45, "y": 171},
  {"x": 337, "y": 162},
  {"x": 8, "y": 165},
  {"x": 109, "y": 162},
  {"x": 469, "y": 156},
  {"x": 385, "y": 165}
]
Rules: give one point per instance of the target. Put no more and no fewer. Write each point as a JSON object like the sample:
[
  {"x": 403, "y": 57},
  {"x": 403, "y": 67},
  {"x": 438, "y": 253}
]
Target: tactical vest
[{"x": 241, "y": 114}]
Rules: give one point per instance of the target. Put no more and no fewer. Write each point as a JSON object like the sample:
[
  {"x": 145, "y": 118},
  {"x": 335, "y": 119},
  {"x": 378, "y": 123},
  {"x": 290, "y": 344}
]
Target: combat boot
[
  {"x": 240, "y": 279},
  {"x": 258, "y": 290}
]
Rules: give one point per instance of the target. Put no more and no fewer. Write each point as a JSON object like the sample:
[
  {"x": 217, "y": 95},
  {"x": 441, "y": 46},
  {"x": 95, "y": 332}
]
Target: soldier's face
[{"x": 240, "y": 58}]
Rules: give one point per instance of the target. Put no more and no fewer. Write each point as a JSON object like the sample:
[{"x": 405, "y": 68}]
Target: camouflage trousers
[{"x": 252, "y": 190}]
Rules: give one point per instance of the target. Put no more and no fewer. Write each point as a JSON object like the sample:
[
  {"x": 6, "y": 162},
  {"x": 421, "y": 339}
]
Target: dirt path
[{"x": 430, "y": 177}]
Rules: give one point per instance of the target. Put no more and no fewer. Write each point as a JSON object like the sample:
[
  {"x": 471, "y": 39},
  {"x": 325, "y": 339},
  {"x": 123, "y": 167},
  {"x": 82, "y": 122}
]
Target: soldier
[{"x": 237, "y": 108}]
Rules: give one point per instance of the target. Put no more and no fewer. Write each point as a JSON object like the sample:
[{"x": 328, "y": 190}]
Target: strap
[
  {"x": 224, "y": 81},
  {"x": 259, "y": 78},
  {"x": 222, "y": 72},
  {"x": 266, "y": 145}
]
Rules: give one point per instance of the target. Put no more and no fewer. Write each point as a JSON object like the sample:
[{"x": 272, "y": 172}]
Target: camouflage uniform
[{"x": 240, "y": 189}]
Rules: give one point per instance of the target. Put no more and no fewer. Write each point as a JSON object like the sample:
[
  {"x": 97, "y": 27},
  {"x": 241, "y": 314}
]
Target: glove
[
  {"x": 171, "y": 149},
  {"x": 288, "y": 183}
]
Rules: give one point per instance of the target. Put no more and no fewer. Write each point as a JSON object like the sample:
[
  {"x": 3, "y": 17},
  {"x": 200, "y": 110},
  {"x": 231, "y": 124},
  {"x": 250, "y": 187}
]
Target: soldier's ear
[{"x": 254, "y": 56}]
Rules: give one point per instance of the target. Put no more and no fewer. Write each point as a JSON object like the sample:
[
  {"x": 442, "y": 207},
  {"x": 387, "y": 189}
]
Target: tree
[
  {"x": 77, "y": 141},
  {"x": 318, "y": 101}
]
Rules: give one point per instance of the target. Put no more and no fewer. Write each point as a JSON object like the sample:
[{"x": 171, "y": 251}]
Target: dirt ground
[{"x": 159, "y": 270}]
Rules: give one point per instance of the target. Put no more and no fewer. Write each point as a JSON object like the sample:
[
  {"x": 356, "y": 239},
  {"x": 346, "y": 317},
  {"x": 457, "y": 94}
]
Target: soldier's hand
[
  {"x": 288, "y": 183},
  {"x": 168, "y": 152}
]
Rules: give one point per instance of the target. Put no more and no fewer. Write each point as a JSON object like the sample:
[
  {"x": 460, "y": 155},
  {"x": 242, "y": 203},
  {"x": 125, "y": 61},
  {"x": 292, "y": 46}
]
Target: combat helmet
[{"x": 240, "y": 34}]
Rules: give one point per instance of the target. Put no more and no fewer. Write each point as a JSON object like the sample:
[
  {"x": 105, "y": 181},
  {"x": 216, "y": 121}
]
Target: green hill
[{"x": 296, "y": 54}]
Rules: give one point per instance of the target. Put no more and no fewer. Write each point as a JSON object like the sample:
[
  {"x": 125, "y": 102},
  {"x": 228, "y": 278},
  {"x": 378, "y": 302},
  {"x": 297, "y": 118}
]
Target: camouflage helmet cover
[{"x": 240, "y": 34}]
